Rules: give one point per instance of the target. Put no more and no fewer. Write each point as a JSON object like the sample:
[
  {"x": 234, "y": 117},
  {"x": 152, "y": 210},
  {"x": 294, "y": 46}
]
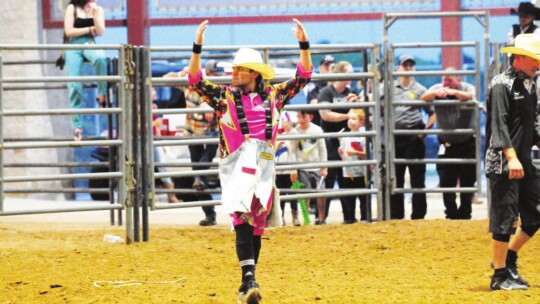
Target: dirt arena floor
[{"x": 431, "y": 261}]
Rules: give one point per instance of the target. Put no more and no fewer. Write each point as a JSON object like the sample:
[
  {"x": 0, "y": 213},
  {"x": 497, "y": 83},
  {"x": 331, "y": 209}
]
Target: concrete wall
[{"x": 20, "y": 23}]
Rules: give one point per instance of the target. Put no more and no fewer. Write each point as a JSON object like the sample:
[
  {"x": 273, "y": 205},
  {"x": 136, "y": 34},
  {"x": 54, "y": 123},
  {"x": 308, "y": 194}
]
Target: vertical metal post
[
  {"x": 123, "y": 152},
  {"x": 135, "y": 101},
  {"x": 1, "y": 131},
  {"x": 111, "y": 70},
  {"x": 146, "y": 90},
  {"x": 386, "y": 134},
  {"x": 389, "y": 131},
  {"x": 477, "y": 117},
  {"x": 368, "y": 126},
  {"x": 150, "y": 134},
  {"x": 486, "y": 53},
  {"x": 377, "y": 149}
]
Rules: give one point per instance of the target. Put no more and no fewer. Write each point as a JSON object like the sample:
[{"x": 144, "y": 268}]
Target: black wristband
[
  {"x": 197, "y": 48},
  {"x": 304, "y": 45}
]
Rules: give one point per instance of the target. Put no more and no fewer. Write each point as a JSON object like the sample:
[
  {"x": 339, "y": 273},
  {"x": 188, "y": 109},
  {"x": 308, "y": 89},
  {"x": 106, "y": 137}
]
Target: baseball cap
[
  {"x": 211, "y": 66},
  {"x": 328, "y": 59},
  {"x": 406, "y": 57}
]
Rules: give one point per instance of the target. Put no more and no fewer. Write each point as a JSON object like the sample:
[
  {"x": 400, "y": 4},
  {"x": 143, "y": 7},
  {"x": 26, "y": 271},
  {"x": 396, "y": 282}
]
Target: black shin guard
[
  {"x": 505, "y": 238},
  {"x": 245, "y": 251},
  {"x": 530, "y": 230},
  {"x": 257, "y": 247}
]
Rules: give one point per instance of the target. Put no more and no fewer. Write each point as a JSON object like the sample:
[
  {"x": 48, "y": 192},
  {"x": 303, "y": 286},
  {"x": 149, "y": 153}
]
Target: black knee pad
[
  {"x": 501, "y": 237},
  {"x": 530, "y": 230}
]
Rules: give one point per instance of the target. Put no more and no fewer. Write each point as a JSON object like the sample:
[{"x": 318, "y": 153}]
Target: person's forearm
[
  {"x": 463, "y": 96},
  {"x": 305, "y": 59},
  {"x": 333, "y": 116},
  {"x": 78, "y": 32},
  {"x": 428, "y": 96},
  {"x": 99, "y": 22}
]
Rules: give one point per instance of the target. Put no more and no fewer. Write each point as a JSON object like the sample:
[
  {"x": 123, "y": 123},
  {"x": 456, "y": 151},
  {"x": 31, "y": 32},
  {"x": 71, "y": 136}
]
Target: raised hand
[
  {"x": 299, "y": 31},
  {"x": 199, "y": 36}
]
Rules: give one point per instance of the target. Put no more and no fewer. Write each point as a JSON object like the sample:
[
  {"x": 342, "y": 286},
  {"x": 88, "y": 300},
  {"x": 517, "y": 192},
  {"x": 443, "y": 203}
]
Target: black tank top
[{"x": 83, "y": 22}]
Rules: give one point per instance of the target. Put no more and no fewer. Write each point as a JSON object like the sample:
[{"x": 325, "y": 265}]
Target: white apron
[{"x": 247, "y": 172}]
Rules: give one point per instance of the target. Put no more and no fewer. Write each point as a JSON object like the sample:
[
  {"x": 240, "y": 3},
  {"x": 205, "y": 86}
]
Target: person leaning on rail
[
  {"x": 514, "y": 182},
  {"x": 248, "y": 113},
  {"x": 462, "y": 146},
  {"x": 83, "y": 21}
]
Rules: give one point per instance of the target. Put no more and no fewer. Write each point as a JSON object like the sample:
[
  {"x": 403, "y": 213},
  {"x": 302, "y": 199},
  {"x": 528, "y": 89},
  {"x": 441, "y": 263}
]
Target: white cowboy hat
[
  {"x": 251, "y": 59},
  {"x": 526, "y": 45}
]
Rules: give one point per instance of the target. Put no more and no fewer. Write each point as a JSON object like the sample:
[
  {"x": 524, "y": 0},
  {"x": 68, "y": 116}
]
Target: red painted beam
[
  {"x": 450, "y": 32},
  {"x": 137, "y": 22}
]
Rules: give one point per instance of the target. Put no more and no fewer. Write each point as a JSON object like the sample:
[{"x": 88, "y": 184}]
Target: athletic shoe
[
  {"x": 498, "y": 283},
  {"x": 249, "y": 293},
  {"x": 514, "y": 274}
]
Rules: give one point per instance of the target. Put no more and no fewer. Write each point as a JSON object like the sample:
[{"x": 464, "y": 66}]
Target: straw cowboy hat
[
  {"x": 527, "y": 45},
  {"x": 251, "y": 59},
  {"x": 526, "y": 8}
]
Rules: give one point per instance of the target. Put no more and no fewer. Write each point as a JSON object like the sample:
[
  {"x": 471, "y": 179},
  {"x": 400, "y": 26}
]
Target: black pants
[
  {"x": 409, "y": 147},
  {"x": 283, "y": 181},
  {"x": 350, "y": 201},
  {"x": 334, "y": 174},
  {"x": 450, "y": 174},
  {"x": 203, "y": 154}
]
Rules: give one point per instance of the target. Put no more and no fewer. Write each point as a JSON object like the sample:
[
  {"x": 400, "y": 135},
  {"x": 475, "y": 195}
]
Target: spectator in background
[
  {"x": 527, "y": 13},
  {"x": 83, "y": 21},
  {"x": 335, "y": 120},
  {"x": 315, "y": 87},
  {"x": 310, "y": 150},
  {"x": 409, "y": 146},
  {"x": 203, "y": 124},
  {"x": 462, "y": 146},
  {"x": 354, "y": 177},
  {"x": 283, "y": 177},
  {"x": 159, "y": 152}
]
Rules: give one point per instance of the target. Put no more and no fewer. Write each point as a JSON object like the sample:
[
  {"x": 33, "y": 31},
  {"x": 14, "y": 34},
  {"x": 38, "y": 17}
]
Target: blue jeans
[{"x": 74, "y": 67}]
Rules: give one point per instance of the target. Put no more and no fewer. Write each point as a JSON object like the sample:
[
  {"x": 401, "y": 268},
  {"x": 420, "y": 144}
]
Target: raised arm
[
  {"x": 195, "y": 62},
  {"x": 99, "y": 20},
  {"x": 301, "y": 35}
]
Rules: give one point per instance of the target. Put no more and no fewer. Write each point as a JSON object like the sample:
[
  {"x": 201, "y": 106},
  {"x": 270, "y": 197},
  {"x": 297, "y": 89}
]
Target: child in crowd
[
  {"x": 283, "y": 177},
  {"x": 310, "y": 150},
  {"x": 354, "y": 177}
]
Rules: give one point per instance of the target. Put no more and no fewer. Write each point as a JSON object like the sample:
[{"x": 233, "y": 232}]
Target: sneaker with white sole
[
  {"x": 514, "y": 274},
  {"x": 249, "y": 293},
  {"x": 501, "y": 283}
]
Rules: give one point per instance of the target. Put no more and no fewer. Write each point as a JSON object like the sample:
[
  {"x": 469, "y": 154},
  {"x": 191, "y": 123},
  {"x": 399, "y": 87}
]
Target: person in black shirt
[
  {"x": 514, "y": 183},
  {"x": 336, "y": 121}
]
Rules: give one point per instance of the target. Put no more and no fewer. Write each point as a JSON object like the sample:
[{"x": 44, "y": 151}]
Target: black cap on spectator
[{"x": 328, "y": 59}]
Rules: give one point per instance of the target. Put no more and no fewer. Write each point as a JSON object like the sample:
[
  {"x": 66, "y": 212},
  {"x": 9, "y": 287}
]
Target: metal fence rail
[
  {"x": 268, "y": 52},
  {"x": 120, "y": 81},
  {"x": 391, "y": 132}
]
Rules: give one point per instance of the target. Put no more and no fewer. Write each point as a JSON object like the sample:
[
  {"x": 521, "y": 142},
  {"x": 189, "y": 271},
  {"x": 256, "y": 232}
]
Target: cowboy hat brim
[
  {"x": 266, "y": 71},
  {"x": 519, "y": 51},
  {"x": 536, "y": 13}
]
